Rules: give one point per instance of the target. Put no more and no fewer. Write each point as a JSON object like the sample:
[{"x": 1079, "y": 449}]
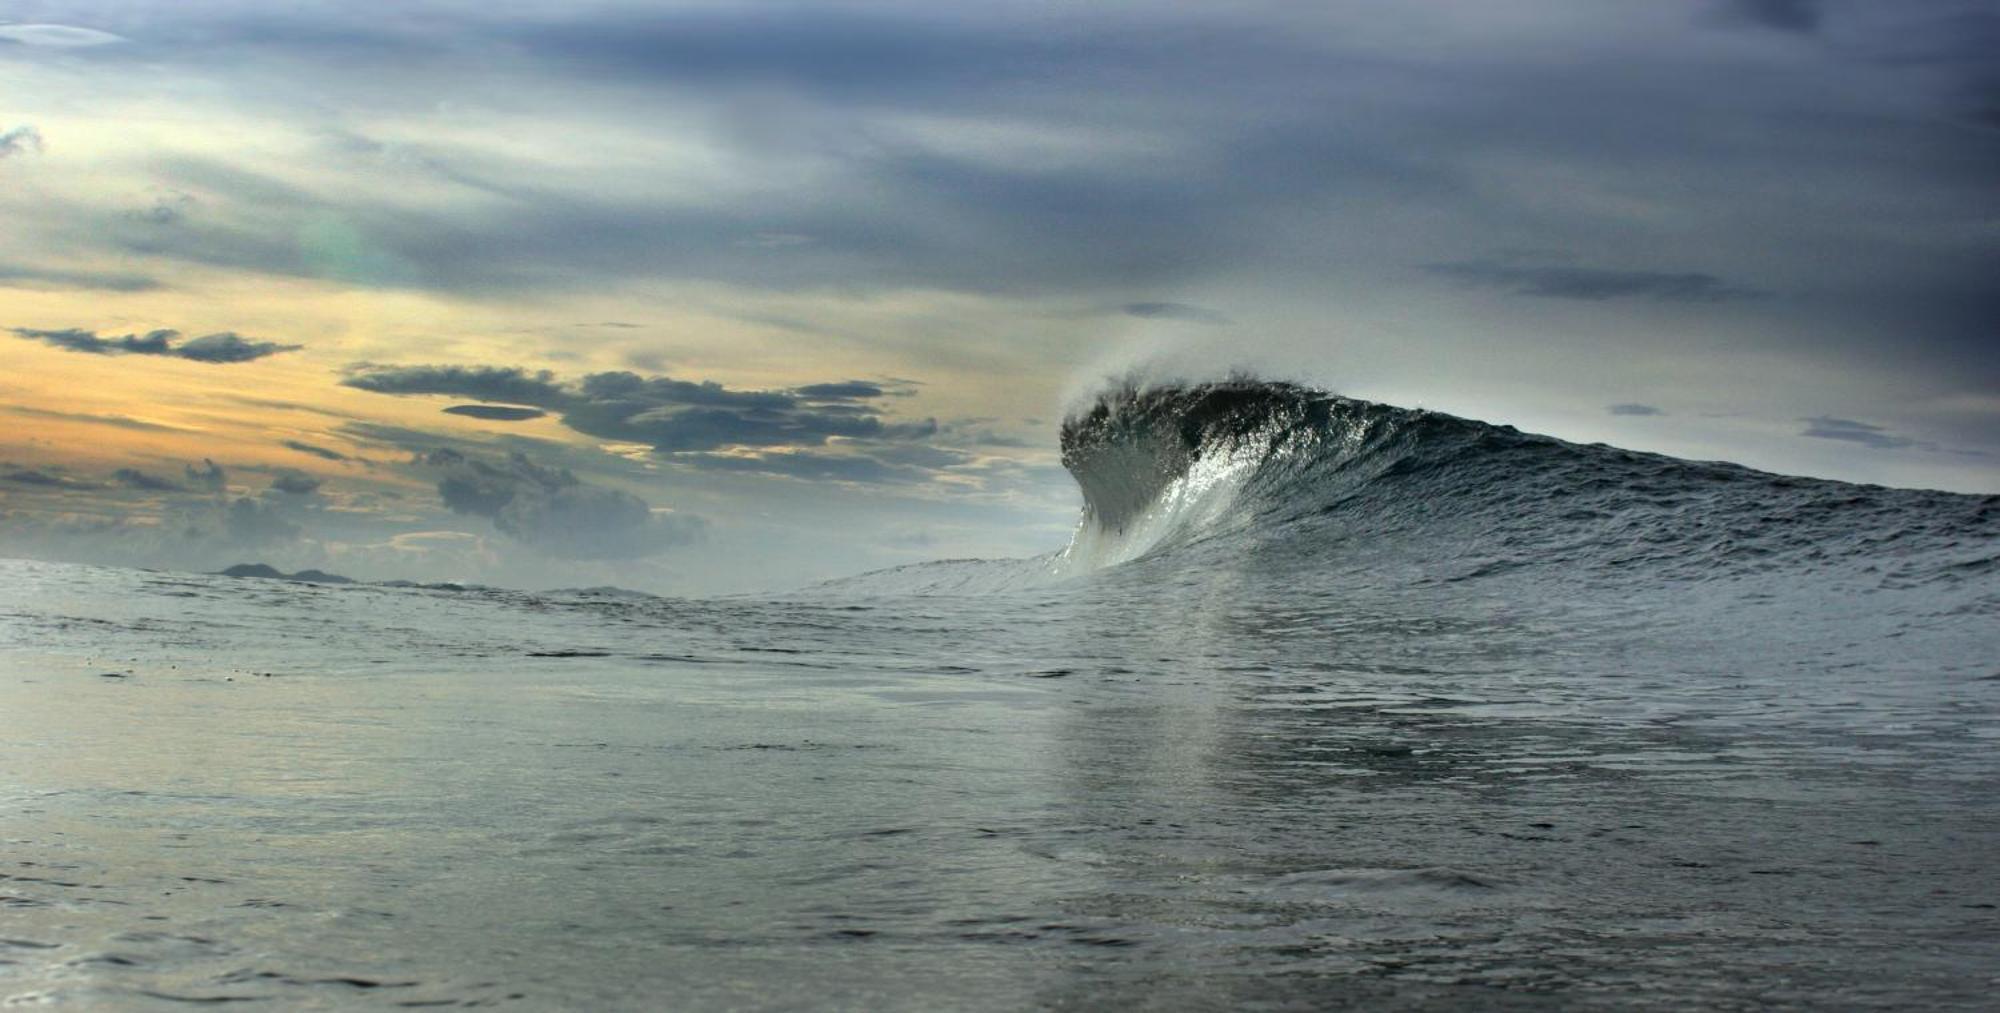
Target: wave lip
[
  {"x": 1160, "y": 466},
  {"x": 1129, "y": 447}
]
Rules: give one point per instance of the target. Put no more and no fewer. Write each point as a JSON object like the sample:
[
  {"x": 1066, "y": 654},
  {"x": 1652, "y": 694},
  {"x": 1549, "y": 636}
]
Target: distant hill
[{"x": 268, "y": 572}]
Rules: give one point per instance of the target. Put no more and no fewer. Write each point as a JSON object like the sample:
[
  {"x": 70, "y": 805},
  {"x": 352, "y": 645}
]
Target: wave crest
[{"x": 1327, "y": 478}]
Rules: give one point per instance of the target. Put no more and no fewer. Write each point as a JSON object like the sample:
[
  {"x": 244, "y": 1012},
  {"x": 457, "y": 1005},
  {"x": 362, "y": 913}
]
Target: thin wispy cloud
[
  {"x": 1826, "y": 427},
  {"x": 314, "y": 450},
  {"x": 1593, "y": 284},
  {"x": 1175, "y": 311},
  {"x": 495, "y": 413},
  {"x": 63, "y": 278},
  {"x": 93, "y": 418},
  {"x": 57, "y": 36}
]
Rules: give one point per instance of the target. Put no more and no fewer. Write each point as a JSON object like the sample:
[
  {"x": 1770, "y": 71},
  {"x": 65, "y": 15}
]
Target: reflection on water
[{"x": 1224, "y": 794}]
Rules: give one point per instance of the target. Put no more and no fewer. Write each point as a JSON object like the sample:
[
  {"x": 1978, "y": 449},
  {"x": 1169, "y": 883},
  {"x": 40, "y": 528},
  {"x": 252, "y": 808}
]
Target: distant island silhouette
[{"x": 269, "y": 572}]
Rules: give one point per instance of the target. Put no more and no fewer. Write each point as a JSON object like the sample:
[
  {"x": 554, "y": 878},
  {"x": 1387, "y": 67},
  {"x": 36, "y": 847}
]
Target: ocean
[{"x": 1328, "y": 704}]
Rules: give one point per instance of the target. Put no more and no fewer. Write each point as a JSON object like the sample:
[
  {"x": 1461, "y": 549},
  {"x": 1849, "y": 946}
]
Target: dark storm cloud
[
  {"x": 223, "y": 347},
  {"x": 1556, "y": 281},
  {"x": 20, "y": 140},
  {"x": 1634, "y": 409},
  {"x": 316, "y": 451},
  {"x": 552, "y": 511},
  {"x": 294, "y": 483},
  {"x": 495, "y": 413},
  {"x": 670, "y": 415},
  {"x": 1826, "y": 427},
  {"x": 133, "y": 478},
  {"x": 1175, "y": 311}
]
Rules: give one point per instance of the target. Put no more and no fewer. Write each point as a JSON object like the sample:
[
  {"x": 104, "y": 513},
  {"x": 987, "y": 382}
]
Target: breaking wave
[{"x": 1301, "y": 479}]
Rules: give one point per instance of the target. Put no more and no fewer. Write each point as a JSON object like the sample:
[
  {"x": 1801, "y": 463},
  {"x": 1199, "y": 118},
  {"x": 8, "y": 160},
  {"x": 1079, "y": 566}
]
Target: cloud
[
  {"x": 485, "y": 383},
  {"x": 672, "y": 416},
  {"x": 496, "y": 413},
  {"x": 1826, "y": 427},
  {"x": 1309, "y": 152},
  {"x": 1175, "y": 311},
  {"x": 1557, "y": 281},
  {"x": 169, "y": 207},
  {"x": 47, "y": 479},
  {"x": 61, "y": 278},
  {"x": 222, "y": 347},
  {"x": 556, "y": 513},
  {"x": 850, "y": 390},
  {"x": 120, "y": 421},
  {"x": 316, "y": 451},
  {"x": 1149, "y": 148},
  {"x": 807, "y": 465},
  {"x": 255, "y": 523},
  {"x": 133, "y": 478},
  {"x": 1785, "y": 15},
  {"x": 57, "y": 36},
  {"x": 1634, "y": 409},
  {"x": 209, "y": 476},
  {"x": 20, "y": 140},
  {"x": 295, "y": 483},
  {"x": 229, "y": 346}
]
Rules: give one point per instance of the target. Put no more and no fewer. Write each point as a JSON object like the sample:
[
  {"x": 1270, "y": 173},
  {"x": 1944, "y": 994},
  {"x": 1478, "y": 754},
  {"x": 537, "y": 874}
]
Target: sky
[{"x": 722, "y": 296}]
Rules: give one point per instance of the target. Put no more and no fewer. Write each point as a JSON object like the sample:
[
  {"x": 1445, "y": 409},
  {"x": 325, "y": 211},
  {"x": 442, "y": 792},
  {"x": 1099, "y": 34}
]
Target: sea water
[{"x": 1385, "y": 710}]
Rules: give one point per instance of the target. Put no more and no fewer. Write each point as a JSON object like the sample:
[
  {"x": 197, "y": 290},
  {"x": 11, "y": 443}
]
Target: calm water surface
[{"x": 1102, "y": 793}]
